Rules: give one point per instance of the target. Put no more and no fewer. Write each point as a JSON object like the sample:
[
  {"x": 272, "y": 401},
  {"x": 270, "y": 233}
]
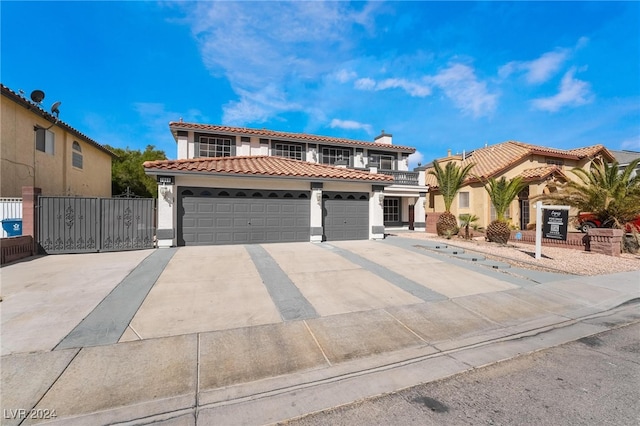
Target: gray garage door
[
  {"x": 211, "y": 216},
  {"x": 346, "y": 216}
]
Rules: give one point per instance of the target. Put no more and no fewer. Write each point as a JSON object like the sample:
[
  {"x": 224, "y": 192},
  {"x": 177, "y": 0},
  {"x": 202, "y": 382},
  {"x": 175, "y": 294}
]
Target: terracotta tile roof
[
  {"x": 540, "y": 172},
  {"x": 297, "y": 137},
  {"x": 36, "y": 109},
  {"x": 262, "y": 166},
  {"x": 492, "y": 160}
]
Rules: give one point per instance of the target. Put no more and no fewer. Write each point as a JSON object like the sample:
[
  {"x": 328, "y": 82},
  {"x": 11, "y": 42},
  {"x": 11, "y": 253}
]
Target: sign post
[{"x": 554, "y": 222}]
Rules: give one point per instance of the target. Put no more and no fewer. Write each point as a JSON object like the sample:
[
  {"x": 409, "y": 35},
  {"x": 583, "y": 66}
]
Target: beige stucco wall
[
  {"x": 480, "y": 204},
  {"x": 23, "y": 165}
]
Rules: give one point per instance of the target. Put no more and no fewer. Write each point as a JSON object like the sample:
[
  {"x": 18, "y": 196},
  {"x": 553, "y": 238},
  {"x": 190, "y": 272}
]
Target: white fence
[{"x": 10, "y": 208}]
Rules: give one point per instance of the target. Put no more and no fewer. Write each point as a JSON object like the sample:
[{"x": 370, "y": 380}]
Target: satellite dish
[
  {"x": 37, "y": 96},
  {"x": 54, "y": 108}
]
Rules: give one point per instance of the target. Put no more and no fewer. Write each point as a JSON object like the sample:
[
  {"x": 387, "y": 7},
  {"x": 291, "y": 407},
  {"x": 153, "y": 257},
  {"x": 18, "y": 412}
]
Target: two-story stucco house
[
  {"x": 38, "y": 150},
  {"x": 539, "y": 166},
  {"x": 237, "y": 185}
]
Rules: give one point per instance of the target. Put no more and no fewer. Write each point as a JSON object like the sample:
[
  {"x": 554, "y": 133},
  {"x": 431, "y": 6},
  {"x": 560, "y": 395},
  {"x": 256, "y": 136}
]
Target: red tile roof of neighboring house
[
  {"x": 298, "y": 137},
  {"x": 492, "y": 160},
  {"x": 36, "y": 109},
  {"x": 262, "y": 166}
]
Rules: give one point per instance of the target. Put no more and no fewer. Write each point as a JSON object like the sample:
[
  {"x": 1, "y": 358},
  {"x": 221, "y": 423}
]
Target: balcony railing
[{"x": 401, "y": 177}]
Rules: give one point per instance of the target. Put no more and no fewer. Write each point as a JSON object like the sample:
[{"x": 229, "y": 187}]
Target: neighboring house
[
  {"x": 624, "y": 158},
  {"x": 539, "y": 166},
  {"x": 238, "y": 185},
  {"x": 38, "y": 150}
]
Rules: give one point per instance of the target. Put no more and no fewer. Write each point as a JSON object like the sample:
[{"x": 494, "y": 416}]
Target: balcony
[{"x": 402, "y": 177}]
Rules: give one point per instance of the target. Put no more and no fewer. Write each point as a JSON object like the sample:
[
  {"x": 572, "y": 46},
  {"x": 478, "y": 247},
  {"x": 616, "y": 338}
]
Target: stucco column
[
  {"x": 316, "y": 212},
  {"x": 376, "y": 213},
  {"x": 419, "y": 213},
  {"x": 166, "y": 233}
]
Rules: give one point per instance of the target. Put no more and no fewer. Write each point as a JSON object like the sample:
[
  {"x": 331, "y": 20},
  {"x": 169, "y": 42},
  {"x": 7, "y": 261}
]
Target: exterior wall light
[
  {"x": 381, "y": 198},
  {"x": 319, "y": 197}
]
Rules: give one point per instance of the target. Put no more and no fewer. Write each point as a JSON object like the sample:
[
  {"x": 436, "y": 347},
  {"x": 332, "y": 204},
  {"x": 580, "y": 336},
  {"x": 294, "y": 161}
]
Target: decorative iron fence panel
[
  {"x": 68, "y": 224},
  {"x": 85, "y": 225},
  {"x": 127, "y": 224}
]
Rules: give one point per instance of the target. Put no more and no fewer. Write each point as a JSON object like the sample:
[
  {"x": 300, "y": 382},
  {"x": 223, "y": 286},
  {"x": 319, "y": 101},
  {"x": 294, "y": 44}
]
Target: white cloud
[
  {"x": 573, "y": 92},
  {"x": 460, "y": 84},
  {"x": 539, "y": 70},
  {"x": 415, "y": 159},
  {"x": 413, "y": 89},
  {"x": 290, "y": 46},
  {"x": 350, "y": 125},
  {"x": 542, "y": 69},
  {"x": 365, "y": 84},
  {"x": 344, "y": 76},
  {"x": 631, "y": 144}
]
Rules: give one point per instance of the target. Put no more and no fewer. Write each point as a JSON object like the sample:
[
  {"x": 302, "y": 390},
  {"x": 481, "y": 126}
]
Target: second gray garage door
[
  {"x": 209, "y": 216},
  {"x": 346, "y": 216}
]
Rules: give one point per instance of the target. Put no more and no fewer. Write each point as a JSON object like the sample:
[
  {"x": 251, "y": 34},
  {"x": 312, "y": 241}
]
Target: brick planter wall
[
  {"x": 15, "y": 248},
  {"x": 432, "y": 218},
  {"x": 576, "y": 241},
  {"x": 606, "y": 241}
]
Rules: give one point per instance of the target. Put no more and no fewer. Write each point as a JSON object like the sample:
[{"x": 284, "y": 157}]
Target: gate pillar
[
  {"x": 30, "y": 196},
  {"x": 165, "y": 233}
]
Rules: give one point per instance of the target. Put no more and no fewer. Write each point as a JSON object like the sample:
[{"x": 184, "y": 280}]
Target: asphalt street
[{"x": 592, "y": 381}]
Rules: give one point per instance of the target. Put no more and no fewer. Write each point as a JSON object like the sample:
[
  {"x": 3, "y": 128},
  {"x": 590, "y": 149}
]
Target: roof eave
[{"x": 156, "y": 172}]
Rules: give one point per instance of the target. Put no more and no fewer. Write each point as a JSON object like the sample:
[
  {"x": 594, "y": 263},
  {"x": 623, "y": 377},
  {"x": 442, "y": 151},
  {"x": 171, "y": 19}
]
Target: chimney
[
  {"x": 384, "y": 138},
  {"x": 448, "y": 153}
]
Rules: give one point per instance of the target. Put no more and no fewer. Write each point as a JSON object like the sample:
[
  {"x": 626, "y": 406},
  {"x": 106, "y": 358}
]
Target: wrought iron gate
[{"x": 84, "y": 225}]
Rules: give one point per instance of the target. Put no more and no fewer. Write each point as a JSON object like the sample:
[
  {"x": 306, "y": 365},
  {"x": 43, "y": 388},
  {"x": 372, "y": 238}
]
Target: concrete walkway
[{"x": 260, "y": 334}]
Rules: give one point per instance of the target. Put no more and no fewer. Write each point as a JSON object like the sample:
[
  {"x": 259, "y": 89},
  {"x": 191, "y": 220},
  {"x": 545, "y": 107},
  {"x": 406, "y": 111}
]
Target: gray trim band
[
  {"x": 165, "y": 234},
  {"x": 419, "y": 224},
  {"x": 377, "y": 188},
  {"x": 316, "y": 230},
  {"x": 377, "y": 229},
  {"x": 316, "y": 185}
]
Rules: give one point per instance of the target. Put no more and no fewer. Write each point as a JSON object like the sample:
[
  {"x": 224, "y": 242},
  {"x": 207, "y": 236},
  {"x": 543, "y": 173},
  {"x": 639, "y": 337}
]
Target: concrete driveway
[{"x": 112, "y": 337}]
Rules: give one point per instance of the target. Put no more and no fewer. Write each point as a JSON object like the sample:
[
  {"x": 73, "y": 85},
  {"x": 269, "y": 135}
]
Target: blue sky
[{"x": 436, "y": 75}]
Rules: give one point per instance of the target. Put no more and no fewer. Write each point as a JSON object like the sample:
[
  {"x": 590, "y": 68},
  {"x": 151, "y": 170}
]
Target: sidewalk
[{"x": 275, "y": 371}]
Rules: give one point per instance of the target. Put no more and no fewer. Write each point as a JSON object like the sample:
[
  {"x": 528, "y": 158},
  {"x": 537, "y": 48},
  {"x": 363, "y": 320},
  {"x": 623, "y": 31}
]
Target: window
[
  {"x": 391, "y": 210},
  {"x": 287, "y": 150},
  {"x": 385, "y": 161},
  {"x": 332, "y": 155},
  {"x": 463, "y": 200},
  {"x": 76, "y": 155},
  {"x": 215, "y": 146},
  {"x": 554, "y": 162},
  {"x": 45, "y": 141}
]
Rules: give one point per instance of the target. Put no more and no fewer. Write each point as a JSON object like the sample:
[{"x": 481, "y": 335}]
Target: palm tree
[
  {"x": 612, "y": 196},
  {"x": 468, "y": 220},
  {"x": 450, "y": 180},
  {"x": 502, "y": 192}
]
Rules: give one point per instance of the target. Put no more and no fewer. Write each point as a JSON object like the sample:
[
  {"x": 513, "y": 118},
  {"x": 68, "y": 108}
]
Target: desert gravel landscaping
[{"x": 554, "y": 259}]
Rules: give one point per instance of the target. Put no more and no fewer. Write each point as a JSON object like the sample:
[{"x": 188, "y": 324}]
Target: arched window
[{"x": 76, "y": 155}]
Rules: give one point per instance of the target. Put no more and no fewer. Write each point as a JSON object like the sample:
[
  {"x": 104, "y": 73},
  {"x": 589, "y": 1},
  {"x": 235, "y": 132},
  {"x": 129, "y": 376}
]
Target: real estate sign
[{"x": 555, "y": 224}]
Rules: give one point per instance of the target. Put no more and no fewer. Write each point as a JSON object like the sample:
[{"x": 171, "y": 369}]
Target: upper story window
[
  {"x": 45, "y": 140},
  {"x": 334, "y": 155},
  {"x": 215, "y": 146},
  {"x": 554, "y": 162},
  {"x": 463, "y": 199},
  {"x": 76, "y": 155},
  {"x": 288, "y": 150},
  {"x": 384, "y": 161}
]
